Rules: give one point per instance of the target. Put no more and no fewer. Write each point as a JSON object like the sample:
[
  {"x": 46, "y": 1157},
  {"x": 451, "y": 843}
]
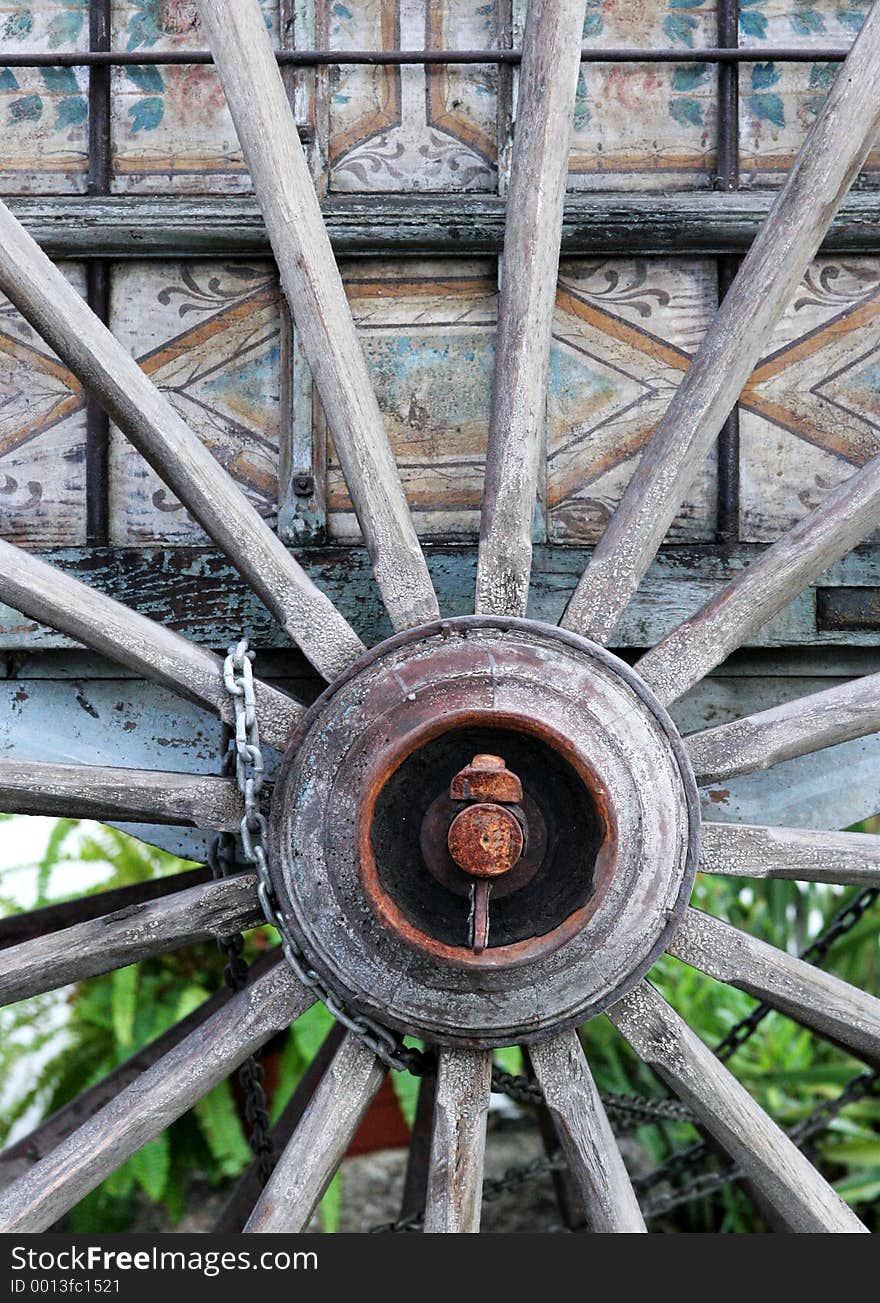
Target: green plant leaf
[
  {"x": 222, "y": 1129},
  {"x": 152, "y": 1166},
  {"x": 330, "y": 1206},
  {"x": 124, "y": 982}
]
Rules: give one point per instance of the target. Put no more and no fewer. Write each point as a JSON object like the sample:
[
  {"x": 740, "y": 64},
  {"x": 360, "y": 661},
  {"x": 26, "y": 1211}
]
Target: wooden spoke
[
  {"x": 258, "y": 102},
  {"x": 794, "y": 729},
  {"x": 47, "y": 594},
  {"x": 101, "y": 792},
  {"x": 16, "y": 928},
  {"x": 801, "y": 1198},
  {"x": 458, "y": 1143},
  {"x": 817, "y": 999},
  {"x": 249, "y": 1186},
  {"x": 318, "y": 1145},
  {"x": 533, "y": 231},
  {"x": 151, "y": 1103},
  {"x": 25, "y": 1153},
  {"x": 751, "y": 851},
  {"x": 831, "y": 156},
  {"x": 697, "y": 645},
  {"x": 57, "y": 312},
  {"x": 213, "y": 909},
  {"x": 585, "y": 1135}
]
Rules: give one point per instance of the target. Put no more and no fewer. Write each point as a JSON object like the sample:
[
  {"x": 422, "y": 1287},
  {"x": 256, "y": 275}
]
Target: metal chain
[
  {"x": 842, "y": 922},
  {"x": 247, "y": 762},
  {"x": 222, "y": 861},
  {"x": 249, "y": 770},
  {"x": 246, "y": 759},
  {"x": 818, "y": 1120}
]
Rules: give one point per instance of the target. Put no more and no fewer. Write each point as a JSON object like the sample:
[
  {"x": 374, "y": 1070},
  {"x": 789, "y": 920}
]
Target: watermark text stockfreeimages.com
[{"x": 210, "y": 1262}]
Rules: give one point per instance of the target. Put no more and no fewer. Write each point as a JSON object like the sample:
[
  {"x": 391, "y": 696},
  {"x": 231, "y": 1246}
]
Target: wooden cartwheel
[{"x": 486, "y": 828}]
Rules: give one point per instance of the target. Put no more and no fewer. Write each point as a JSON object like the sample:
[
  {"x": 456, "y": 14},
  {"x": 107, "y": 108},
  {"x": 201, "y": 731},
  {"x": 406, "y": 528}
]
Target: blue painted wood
[{"x": 193, "y": 590}]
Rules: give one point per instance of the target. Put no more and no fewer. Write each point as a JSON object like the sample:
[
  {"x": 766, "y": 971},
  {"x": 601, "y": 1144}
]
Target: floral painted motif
[
  {"x": 171, "y": 129},
  {"x": 779, "y": 102},
  {"x": 44, "y": 111},
  {"x": 412, "y": 128},
  {"x": 645, "y": 126},
  {"x": 209, "y": 336}
]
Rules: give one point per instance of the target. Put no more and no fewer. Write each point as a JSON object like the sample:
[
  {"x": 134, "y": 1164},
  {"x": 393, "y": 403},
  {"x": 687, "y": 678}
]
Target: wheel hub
[{"x": 485, "y": 830}]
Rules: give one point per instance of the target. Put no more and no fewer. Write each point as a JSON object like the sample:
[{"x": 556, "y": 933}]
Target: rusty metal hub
[{"x": 485, "y": 830}]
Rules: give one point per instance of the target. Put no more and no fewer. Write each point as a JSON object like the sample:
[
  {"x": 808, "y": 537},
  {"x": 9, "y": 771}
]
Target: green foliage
[
  {"x": 787, "y": 1069},
  {"x": 56, "y": 1046}
]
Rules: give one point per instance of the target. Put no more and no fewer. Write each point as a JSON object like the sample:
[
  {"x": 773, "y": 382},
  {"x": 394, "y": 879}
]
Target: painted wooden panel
[
  {"x": 42, "y": 437},
  {"x": 624, "y": 333},
  {"x": 209, "y": 335},
  {"x": 427, "y": 328},
  {"x": 645, "y": 126},
  {"x": 811, "y": 410},
  {"x": 171, "y": 130},
  {"x": 44, "y": 111},
  {"x": 779, "y": 102},
  {"x": 411, "y": 128}
]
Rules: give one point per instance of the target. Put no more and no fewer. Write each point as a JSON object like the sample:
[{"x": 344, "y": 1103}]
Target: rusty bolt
[
  {"x": 486, "y": 778},
  {"x": 485, "y": 840}
]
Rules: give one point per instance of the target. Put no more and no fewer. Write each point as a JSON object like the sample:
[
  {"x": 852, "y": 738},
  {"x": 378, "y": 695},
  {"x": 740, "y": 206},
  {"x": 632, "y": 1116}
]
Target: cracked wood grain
[
  {"x": 816, "y": 999},
  {"x": 152, "y": 1102},
  {"x": 796, "y": 728},
  {"x": 805, "y": 855},
  {"x": 533, "y": 231},
  {"x": 104, "y": 792},
  {"x": 802, "y": 1199},
  {"x": 458, "y": 1142},
  {"x": 61, "y": 316},
  {"x": 318, "y": 1144},
  {"x": 743, "y": 606},
  {"x": 211, "y": 909},
  {"x": 585, "y": 1135},
  {"x": 264, "y": 121},
  {"x": 829, "y": 159},
  {"x": 47, "y": 594}
]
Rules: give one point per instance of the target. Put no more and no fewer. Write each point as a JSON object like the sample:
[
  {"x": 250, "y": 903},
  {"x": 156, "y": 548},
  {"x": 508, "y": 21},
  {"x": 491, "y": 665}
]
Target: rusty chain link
[{"x": 244, "y": 758}]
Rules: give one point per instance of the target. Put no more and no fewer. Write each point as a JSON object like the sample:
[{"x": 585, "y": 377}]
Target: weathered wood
[
  {"x": 418, "y": 1163},
  {"x": 701, "y": 222},
  {"x": 318, "y": 1145},
  {"x": 545, "y": 110},
  {"x": 845, "y": 518},
  {"x": 196, "y": 592},
  {"x": 152, "y": 1102},
  {"x": 261, "y": 111},
  {"x": 249, "y": 1186},
  {"x": 47, "y": 594},
  {"x": 802, "y": 1198},
  {"x": 213, "y": 909},
  {"x": 816, "y": 999},
  {"x": 24, "y": 1153},
  {"x": 61, "y": 316},
  {"x": 831, "y": 156},
  {"x": 101, "y": 792},
  {"x": 16, "y": 928},
  {"x": 753, "y": 851},
  {"x": 585, "y": 1135},
  {"x": 458, "y": 1143},
  {"x": 794, "y": 729}
]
